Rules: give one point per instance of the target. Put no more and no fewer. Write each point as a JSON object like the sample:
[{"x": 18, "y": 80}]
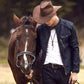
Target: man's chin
[{"x": 49, "y": 25}]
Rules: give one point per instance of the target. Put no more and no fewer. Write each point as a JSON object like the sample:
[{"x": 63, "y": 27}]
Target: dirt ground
[{"x": 6, "y": 76}]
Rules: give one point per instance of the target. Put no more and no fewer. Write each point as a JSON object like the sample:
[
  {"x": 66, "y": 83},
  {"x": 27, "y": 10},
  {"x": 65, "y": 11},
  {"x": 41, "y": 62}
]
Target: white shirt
[{"x": 53, "y": 53}]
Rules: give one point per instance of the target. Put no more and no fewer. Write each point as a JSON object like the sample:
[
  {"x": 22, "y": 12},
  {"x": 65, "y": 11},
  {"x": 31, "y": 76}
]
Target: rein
[{"x": 33, "y": 79}]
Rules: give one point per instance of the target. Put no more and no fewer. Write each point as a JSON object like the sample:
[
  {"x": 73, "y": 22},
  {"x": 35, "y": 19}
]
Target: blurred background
[{"x": 72, "y": 10}]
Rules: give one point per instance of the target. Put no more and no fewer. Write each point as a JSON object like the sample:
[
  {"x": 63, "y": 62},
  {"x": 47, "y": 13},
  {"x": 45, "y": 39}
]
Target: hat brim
[{"x": 41, "y": 20}]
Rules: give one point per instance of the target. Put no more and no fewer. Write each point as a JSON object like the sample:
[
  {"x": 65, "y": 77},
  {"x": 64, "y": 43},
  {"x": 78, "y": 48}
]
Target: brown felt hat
[{"x": 43, "y": 12}]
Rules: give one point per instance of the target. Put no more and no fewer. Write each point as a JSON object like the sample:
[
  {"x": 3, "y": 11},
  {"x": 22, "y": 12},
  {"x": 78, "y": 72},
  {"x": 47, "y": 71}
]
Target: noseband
[
  {"x": 27, "y": 53},
  {"x": 23, "y": 52}
]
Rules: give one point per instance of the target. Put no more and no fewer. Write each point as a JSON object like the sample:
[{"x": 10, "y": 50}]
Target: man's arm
[
  {"x": 38, "y": 48},
  {"x": 74, "y": 50},
  {"x": 75, "y": 55}
]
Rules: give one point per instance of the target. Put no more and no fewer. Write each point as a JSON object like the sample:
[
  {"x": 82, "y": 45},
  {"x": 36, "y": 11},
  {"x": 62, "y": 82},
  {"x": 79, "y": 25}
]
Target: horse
[{"x": 21, "y": 51}]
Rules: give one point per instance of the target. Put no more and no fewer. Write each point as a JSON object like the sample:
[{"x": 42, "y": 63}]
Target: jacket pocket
[
  {"x": 64, "y": 40},
  {"x": 62, "y": 43},
  {"x": 65, "y": 36}
]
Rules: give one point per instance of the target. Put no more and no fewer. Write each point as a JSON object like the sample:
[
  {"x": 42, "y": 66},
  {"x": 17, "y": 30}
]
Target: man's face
[{"x": 51, "y": 21}]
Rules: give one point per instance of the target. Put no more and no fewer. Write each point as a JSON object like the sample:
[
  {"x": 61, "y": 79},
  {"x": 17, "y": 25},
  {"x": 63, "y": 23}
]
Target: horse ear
[{"x": 16, "y": 19}]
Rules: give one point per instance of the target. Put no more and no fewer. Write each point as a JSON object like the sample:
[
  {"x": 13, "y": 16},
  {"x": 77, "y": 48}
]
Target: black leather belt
[{"x": 56, "y": 66}]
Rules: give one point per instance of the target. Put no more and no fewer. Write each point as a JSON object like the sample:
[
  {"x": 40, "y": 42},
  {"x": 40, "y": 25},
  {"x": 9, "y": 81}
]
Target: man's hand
[
  {"x": 30, "y": 75},
  {"x": 73, "y": 78}
]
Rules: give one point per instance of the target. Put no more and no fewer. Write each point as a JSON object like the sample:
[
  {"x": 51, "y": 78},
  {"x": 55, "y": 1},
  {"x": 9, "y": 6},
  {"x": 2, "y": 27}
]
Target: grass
[{"x": 6, "y": 76}]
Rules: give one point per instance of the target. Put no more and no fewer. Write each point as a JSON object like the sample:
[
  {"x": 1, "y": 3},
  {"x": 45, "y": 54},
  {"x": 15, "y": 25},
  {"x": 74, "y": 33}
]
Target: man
[{"x": 58, "y": 41}]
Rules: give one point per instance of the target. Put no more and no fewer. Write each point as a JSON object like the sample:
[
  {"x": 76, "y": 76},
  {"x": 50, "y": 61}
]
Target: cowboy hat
[{"x": 43, "y": 12}]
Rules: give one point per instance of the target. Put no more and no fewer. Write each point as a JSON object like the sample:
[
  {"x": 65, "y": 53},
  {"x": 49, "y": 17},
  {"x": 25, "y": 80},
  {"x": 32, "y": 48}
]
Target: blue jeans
[{"x": 54, "y": 76}]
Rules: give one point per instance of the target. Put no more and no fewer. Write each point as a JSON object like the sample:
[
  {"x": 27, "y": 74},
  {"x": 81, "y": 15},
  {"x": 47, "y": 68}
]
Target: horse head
[{"x": 25, "y": 43}]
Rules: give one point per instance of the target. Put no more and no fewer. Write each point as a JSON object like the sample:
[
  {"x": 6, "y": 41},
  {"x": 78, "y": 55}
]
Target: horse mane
[{"x": 26, "y": 20}]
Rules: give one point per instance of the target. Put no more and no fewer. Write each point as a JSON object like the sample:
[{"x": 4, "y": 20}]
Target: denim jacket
[{"x": 68, "y": 44}]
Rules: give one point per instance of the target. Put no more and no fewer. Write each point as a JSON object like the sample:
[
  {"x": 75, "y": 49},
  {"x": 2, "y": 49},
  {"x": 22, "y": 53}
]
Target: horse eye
[
  {"x": 18, "y": 37},
  {"x": 19, "y": 58}
]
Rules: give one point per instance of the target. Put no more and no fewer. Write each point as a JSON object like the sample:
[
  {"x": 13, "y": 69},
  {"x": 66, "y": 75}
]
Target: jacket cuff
[{"x": 75, "y": 71}]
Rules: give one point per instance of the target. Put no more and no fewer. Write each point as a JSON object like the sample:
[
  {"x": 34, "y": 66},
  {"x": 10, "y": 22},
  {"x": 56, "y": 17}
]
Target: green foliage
[
  {"x": 67, "y": 6},
  {"x": 23, "y": 7}
]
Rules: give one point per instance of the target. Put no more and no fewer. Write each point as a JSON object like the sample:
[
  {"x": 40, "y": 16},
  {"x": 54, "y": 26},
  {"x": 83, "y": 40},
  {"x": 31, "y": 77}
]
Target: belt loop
[{"x": 52, "y": 65}]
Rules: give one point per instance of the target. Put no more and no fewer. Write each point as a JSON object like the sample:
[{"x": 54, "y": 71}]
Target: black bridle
[
  {"x": 23, "y": 52},
  {"x": 26, "y": 26}
]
